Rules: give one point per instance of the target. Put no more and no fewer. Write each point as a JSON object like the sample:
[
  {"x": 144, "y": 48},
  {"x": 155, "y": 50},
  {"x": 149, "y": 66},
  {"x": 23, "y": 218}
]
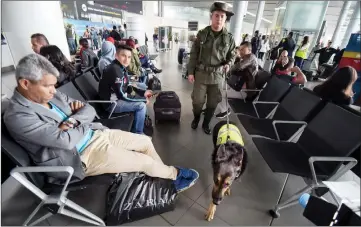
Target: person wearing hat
[{"x": 212, "y": 54}]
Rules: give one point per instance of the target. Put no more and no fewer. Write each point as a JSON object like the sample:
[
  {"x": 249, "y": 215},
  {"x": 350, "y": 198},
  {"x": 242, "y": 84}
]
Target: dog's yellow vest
[{"x": 233, "y": 133}]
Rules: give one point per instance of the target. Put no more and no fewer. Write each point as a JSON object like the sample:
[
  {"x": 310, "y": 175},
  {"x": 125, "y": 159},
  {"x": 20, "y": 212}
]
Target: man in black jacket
[
  {"x": 288, "y": 44},
  {"x": 325, "y": 53},
  {"x": 115, "y": 85},
  {"x": 115, "y": 34},
  {"x": 255, "y": 43}
]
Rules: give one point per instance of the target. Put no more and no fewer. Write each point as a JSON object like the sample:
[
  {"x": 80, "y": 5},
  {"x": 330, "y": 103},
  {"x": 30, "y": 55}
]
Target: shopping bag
[{"x": 134, "y": 196}]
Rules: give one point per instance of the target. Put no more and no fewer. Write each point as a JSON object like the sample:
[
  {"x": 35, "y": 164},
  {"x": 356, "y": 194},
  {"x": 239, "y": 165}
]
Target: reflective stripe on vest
[{"x": 233, "y": 133}]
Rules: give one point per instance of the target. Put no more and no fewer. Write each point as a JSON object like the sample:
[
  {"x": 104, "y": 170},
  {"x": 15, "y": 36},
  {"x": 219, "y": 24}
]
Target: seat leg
[
  {"x": 290, "y": 201},
  {"x": 80, "y": 209},
  {"x": 33, "y": 213},
  {"x": 45, "y": 216},
  {"x": 74, "y": 215}
]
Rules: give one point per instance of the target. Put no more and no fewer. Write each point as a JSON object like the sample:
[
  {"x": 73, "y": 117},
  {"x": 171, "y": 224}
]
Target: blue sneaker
[{"x": 185, "y": 179}]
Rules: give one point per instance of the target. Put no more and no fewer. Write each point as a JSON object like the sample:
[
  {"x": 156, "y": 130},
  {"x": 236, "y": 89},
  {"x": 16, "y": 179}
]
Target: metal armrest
[
  {"x": 105, "y": 101},
  {"x": 351, "y": 163},
  {"x": 40, "y": 169},
  {"x": 303, "y": 123},
  {"x": 263, "y": 102}
]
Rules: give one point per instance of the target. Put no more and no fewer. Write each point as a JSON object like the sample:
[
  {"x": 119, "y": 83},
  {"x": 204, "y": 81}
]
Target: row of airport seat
[{"x": 298, "y": 133}]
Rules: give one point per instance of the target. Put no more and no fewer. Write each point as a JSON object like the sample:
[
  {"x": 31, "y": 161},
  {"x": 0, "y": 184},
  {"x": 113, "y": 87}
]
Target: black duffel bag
[
  {"x": 134, "y": 196},
  {"x": 154, "y": 84}
]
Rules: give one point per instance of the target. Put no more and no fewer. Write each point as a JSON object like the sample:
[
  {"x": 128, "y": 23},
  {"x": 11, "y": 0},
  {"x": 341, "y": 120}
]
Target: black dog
[{"x": 229, "y": 161}]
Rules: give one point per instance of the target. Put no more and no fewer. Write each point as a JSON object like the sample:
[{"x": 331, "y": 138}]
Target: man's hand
[
  {"x": 148, "y": 94},
  {"x": 191, "y": 78},
  {"x": 64, "y": 126},
  {"x": 226, "y": 68},
  {"x": 76, "y": 105}
]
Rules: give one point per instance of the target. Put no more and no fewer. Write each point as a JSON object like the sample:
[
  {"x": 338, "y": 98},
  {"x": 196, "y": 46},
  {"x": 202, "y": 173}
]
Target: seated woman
[
  {"x": 338, "y": 87},
  {"x": 135, "y": 67},
  {"x": 285, "y": 67},
  {"x": 107, "y": 56},
  {"x": 62, "y": 64}
]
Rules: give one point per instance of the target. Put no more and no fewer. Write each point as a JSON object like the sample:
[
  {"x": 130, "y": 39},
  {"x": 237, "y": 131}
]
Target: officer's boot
[
  {"x": 195, "y": 121},
  {"x": 207, "y": 119}
]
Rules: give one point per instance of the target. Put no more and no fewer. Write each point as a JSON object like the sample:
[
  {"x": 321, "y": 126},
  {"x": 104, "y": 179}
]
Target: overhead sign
[
  {"x": 192, "y": 25},
  {"x": 129, "y": 6},
  {"x": 84, "y": 8}
]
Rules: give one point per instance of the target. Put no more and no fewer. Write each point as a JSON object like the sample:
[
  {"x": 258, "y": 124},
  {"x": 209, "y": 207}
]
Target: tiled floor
[{"x": 252, "y": 197}]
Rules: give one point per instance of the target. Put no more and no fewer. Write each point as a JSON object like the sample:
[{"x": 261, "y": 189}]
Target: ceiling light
[
  {"x": 253, "y": 15},
  {"x": 268, "y": 21}
]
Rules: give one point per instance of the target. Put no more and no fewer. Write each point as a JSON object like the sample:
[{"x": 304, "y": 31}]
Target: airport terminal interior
[{"x": 275, "y": 90}]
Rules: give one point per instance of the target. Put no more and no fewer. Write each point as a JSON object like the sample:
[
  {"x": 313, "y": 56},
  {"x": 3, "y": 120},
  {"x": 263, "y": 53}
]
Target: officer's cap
[{"x": 221, "y": 6}]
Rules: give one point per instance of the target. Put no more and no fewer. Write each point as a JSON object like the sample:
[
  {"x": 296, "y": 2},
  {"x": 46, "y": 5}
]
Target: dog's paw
[
  {"x": 210, "y": 212},
  {"x": 227, "y": 192}
]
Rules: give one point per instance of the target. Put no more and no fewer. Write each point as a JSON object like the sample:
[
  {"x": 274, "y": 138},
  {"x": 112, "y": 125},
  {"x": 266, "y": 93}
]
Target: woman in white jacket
[{"x": 264, "y": 47}]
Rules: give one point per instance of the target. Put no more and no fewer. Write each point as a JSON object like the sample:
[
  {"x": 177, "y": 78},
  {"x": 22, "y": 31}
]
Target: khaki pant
[{"x": 116, "y": 151}]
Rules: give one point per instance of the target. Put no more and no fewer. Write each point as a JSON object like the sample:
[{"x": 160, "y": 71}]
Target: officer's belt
[{"x": 210, "y": 69}]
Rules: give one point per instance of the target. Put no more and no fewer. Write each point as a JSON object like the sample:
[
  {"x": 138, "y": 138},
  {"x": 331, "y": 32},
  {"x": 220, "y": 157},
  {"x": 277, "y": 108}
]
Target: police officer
[{"x": 212, "y": 53}]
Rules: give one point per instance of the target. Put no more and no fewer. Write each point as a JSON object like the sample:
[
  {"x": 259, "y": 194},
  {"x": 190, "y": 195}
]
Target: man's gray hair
[{"x": 33, "y": 67}]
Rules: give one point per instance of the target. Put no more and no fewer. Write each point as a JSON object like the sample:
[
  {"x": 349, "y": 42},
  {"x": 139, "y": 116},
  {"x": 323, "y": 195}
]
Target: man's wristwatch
[{"x": 71, "y": 122}]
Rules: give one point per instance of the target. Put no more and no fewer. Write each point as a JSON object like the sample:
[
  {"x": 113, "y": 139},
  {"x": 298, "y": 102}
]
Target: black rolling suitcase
[{"x": 167, "y": 107}]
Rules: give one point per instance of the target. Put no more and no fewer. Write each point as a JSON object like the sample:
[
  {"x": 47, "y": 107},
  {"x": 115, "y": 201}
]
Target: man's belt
[{"x": 210, "y": 69}]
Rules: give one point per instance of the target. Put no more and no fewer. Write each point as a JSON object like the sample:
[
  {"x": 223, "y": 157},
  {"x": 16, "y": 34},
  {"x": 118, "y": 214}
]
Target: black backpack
[{"x": 154, "y": 84}]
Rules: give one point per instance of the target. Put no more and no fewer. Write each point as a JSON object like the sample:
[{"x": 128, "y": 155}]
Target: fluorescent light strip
[{"x": 264, "y": 19}]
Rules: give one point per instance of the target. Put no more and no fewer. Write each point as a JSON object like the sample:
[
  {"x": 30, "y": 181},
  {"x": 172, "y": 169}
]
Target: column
[
  {"x": 136, "y": 28},
  {"x": 160, "y": 8},
  {"x": 319, "y": 25},
  {"x": 259, "y": 15},
  {"x": 239, "y": 10},
  {"x": 21, "y": 19},
  {"x": 352, "y": 26},
  {"x": 341, "y": 20}
]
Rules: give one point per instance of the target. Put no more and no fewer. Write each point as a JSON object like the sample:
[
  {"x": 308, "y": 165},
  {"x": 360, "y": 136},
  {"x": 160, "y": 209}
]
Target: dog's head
[{"x": 227, "y": 161}]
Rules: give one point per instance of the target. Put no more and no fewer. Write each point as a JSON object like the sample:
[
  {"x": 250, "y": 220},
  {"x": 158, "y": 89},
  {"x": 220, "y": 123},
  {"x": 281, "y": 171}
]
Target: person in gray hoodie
[{"x": 107, "y": 55}]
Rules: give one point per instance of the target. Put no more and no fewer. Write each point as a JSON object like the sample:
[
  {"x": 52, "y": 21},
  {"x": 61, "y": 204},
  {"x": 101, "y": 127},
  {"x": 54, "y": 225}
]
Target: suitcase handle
[{"x": 170, "y": 112}]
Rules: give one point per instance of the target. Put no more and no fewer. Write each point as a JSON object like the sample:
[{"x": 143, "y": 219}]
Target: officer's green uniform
[{"x": 210, "y": 53}]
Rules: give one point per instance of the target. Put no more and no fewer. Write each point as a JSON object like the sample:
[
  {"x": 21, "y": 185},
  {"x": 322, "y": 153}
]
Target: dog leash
[{"x": 227, "y": 107}]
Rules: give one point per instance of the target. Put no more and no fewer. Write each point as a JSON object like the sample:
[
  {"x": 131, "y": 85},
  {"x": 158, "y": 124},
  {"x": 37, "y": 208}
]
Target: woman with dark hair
[
  {"x": 301, "y": 53},
  {"x": 62, "y": 64},
  {"x": 338, "y": 87}
]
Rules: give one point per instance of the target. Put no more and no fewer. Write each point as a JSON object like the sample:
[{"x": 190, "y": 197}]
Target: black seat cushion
[
  {"x": 256, "y": 126},
  {"x": 123, "y": 123},
  {"x": 239, "y": 106},
  {"x": 287, "y": 157},
  {"x": 264, "y": 127}
]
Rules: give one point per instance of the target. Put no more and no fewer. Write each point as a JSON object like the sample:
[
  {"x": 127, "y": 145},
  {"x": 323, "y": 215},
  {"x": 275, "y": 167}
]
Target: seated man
[
  {"x": 57, "y": 130},
  {"x": 87, "y": 55},
  {"x": 247, "y": 62},
  {"x": 114, "y": 85}
]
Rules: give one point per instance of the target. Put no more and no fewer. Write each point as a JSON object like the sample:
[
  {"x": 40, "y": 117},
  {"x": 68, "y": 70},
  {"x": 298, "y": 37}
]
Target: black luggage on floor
[
  {"x": 180, "y": 55},
  {"x": 134, "y": 196},
  {"x": 167, "y": 106},
  {"x": 154, "y": 84}
]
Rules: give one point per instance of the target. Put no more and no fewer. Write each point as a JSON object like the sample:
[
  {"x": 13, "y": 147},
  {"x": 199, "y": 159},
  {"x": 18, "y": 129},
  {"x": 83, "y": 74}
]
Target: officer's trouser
[{"x": 201, "y": 92}]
